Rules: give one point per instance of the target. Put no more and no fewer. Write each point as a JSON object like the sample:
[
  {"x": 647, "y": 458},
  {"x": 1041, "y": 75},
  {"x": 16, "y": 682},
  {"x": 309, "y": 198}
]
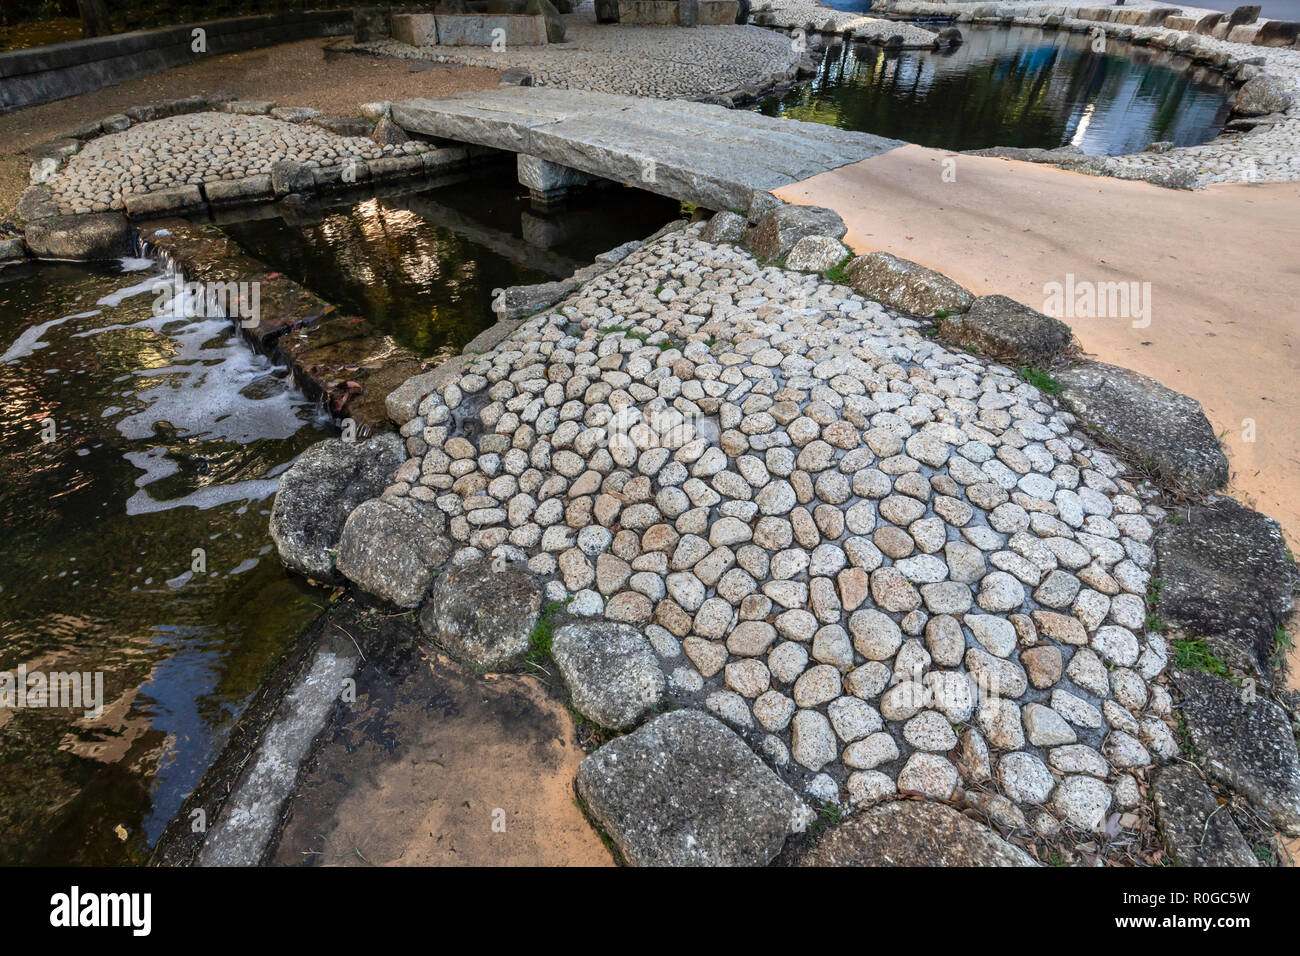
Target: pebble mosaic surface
[
  {"x": 197, "y": 148},
  {"x": 662, "y": 62},
  {"x": 891, "y": 564}
]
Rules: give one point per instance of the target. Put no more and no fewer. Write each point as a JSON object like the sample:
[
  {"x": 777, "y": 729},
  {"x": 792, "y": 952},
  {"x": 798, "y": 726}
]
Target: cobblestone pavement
[
  {"x": 197, "y": 148},
  {"x": 633, "y": 60},
  {"x": 890, "y": 564}
]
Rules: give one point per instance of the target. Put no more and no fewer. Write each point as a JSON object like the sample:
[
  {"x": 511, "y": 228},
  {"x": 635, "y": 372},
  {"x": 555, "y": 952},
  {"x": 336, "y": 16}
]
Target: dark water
[
  {"x": 422, "y": 266},
  {"x": 169, "y": 435},
  {"x": 1013, "y": 87}
]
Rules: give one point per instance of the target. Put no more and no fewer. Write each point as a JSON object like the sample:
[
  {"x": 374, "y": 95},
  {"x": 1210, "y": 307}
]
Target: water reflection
[
  {"x": 1014, "y": 87},
  {"x": 169, "y": 437},
  {"x": 422, "y": 265}
]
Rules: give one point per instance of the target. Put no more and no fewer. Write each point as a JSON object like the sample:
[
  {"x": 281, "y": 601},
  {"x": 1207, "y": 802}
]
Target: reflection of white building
[{"x": 1006, "y": 82}]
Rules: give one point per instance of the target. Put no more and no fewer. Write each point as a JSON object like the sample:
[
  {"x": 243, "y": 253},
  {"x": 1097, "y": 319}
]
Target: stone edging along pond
[
  {"x": 1148, "y": 724},
  {"x": 1261, "y": 62}
]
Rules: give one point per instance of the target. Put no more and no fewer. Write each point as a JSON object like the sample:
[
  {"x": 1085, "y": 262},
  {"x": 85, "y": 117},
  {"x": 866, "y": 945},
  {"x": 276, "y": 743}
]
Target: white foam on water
[
  {"x": 135, "y": 263},
  {"x": 200, "y": 393},
  {"x": 30, "y": 339},
  {"x": 114, "y": 299},
  {"x": 254, "y": 489}
]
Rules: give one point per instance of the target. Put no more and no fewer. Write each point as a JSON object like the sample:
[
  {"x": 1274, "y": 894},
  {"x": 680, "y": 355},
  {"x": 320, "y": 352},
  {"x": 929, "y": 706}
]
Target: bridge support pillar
[{"x": 548, "y": 183}]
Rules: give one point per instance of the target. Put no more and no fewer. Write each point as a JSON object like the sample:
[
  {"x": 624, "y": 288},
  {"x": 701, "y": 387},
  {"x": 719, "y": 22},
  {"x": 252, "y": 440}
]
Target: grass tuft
[
  {"x": 539, "y": 642},
  {"x": 1193, "y": 654},
  {"x": 1041, "y": 379},
  {"x": 837, "y": 272}
]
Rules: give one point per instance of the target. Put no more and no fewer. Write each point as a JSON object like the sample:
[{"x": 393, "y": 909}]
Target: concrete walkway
[
  {"x": 707, "y": 155},
  {"x": 1222, "y": 266}
]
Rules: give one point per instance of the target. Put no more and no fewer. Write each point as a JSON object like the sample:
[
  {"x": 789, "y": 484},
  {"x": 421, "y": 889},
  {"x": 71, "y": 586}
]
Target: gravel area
[
  {"x": 891, "y": 565},
  {"x": 633, "y": 60}
]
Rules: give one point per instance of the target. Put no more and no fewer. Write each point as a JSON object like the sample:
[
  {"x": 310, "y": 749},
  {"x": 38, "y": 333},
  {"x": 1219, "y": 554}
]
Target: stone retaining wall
[
  {"x": 48, "y": 73},
  {"x": 425, "y": 29}
]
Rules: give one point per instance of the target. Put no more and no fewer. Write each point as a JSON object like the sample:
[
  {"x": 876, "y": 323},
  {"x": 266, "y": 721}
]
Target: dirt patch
[
  {"x": 435, "y": 765},
  {"x": 293, "y": 74}
]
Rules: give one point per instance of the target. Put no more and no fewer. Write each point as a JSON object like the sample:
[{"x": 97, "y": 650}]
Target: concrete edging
[{"x": 44, "y": 74}]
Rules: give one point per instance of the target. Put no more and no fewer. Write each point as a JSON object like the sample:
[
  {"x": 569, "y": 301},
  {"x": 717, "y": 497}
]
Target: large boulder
[
  {"x": 913, "y": 833},
  {"x": 778, "y": 231},
  {"x": 1195, "y": 828},
  {"x": 1226, "y": 576},
  {"x": 683, "y": 790},
  {"x": 1004, "y": 329},
  {"x": 391, "y": 548},
  {"x": 320, "y": 490},
  {"x": 816, "y": 254},
  {"x": 1247, "y": 744},
  {"x": 611, "y": 671},
  {"x": 1152, "y": 425},
  {"x": 105, "y": 235},
  {"x": 1259, "y": 95},
  {"x": 483, "y": 612},
  {"x": 725, "y": 226},
  {"x": 904, "y": 285}
]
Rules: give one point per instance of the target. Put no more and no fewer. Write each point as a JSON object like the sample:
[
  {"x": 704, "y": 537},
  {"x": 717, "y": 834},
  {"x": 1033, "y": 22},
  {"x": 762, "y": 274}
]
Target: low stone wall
[
  {"x": 425, "y": 29},
  {"x": 44, "y": 74}
]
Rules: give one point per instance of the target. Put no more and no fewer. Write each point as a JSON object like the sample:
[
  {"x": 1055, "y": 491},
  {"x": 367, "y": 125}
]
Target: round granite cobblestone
[{"x": 900, "y": 608}]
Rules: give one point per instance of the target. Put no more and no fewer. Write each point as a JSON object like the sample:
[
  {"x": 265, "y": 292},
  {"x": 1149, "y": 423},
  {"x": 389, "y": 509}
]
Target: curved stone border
[
  {"x": 1134, "y": 737},
  {"x": 60, "y": 231}
]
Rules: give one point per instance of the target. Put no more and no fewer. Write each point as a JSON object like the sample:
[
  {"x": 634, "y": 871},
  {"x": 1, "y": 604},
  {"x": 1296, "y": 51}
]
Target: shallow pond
[
  {"x": 1013, "y": 87},
  {"x": 167, "y": 436},
  {"x": 423, "y": 265}
]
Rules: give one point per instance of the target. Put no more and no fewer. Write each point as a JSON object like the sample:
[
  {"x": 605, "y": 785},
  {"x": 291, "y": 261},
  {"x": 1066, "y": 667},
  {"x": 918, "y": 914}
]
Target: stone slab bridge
[{"x": 707, "y": 155}]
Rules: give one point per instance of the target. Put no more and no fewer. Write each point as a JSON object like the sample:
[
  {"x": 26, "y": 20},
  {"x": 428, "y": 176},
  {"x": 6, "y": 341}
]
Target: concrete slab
[{"x": 707, "y": 155}]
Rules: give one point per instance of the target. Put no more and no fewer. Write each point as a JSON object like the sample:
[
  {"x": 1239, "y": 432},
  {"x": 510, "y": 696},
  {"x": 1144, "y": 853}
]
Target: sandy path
[{"x": 443, "y": 767}]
